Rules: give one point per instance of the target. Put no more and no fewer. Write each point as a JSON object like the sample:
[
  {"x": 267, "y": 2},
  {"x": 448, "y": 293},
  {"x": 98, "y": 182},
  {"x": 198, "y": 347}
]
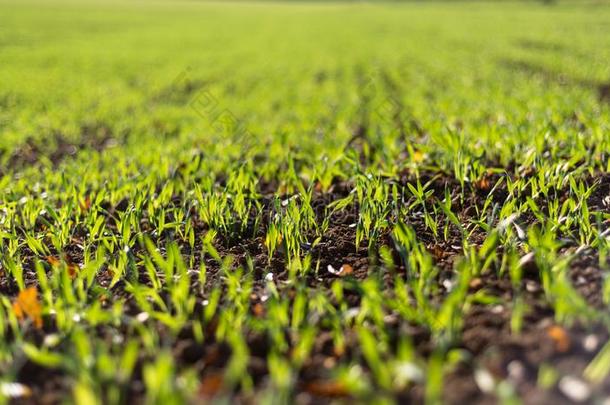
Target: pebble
[
  {"x": 574, "y": 388},
  {"x": 590, "y": 343},
  {"x": 448, "y": 284},
  {"x": 545, "y": 323},
  {"x": 409, "y": 372},
  {"x": 581, "y": 281},
  {"x": 142, "y": 317},
  {"x": 516, "y": 370},
  {"x": 531, "y": 286},
  {"x": 51, "y": 340},
  {"x": 14, "y": 390},
  {"x": 497, "y": 309},
  {"x": 484, "y": 380}
]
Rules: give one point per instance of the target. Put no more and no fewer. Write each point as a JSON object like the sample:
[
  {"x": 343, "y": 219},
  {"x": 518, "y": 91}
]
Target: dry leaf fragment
[
  {"x": 71, "y": 267},
  {"x": 328, "y": 389},
  {"x": 27, "y": 304},
  {"x": 484, "y": 184},
  {"x": 84, "y": 204},
  {"x": 258, "y": 310},
  {"x": 53, "y": 261},
  {"x": 345, "y": 270},
  {"x": 72, "y": 270},
  {"x": 438, "y": 252},
  {"x": 560, "y": 337},
  {"x": 210, "y": 385},
  {"x": 475, "y": 283}
]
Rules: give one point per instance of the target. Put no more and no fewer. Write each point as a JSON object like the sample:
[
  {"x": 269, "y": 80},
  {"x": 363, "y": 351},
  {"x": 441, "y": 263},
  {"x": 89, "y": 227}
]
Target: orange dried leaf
[
  {"x": 475, "y": 283},
  {"x": 328, "y": 389},
  {"x": 210, "y": 385},
  {"x": 258, "y": 310},
  {"x": 560, "y": 337},
  {"x": 484, "y": 184},
  {"x": 27, "y": 304},
  {"x": 85, "y": 204},
  {"x": 345, "y": 270},
  {"x": 72, "y": 270},
  {"x": 71, "y": 267},
  {"x": 438, "y": 252},
  {"x": 17, "y": 311}
]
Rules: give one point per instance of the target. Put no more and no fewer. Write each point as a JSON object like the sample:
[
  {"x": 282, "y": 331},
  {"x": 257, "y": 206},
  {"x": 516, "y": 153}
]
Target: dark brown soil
[{"x": 486, "y": 335}]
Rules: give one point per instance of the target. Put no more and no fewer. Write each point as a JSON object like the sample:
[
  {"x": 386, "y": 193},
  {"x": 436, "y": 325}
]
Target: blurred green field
[{"x": 304, "y": 202}]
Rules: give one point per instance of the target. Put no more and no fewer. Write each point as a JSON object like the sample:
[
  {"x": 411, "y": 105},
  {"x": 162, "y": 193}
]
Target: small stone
[
  {"x": 574, "y": 388},
  {"x": 497, "y": 309},
  {"x": 407, "y": 371},
  {"x": 142, "y": 317},
  {"x": 516, "y": 370},
  {"x": 14, "y": 390},
  {"x": 532, "y": 286},
  {"x": 545, "y": 323},
  {"x": 484, "y": 380},
  {"x": 590, "y": 343}
]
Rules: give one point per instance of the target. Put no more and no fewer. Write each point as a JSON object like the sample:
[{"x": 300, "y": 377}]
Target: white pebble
[
  {"x": 448, "y": 284},
  {"x": 407, "y": 371},
  {"x": 497, "y": 309},
  {"x": 590, "y": 343},
  {"x": 574, "y": 388},
  {"x": 484, "y": 380},
  {"x": 142, "y": 317},
  {"x": 14, "y": 390}
]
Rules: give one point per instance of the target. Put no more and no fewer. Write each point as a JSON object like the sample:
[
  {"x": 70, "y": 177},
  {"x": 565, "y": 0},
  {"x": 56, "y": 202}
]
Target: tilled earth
[{"x": 492, "y": 351}]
